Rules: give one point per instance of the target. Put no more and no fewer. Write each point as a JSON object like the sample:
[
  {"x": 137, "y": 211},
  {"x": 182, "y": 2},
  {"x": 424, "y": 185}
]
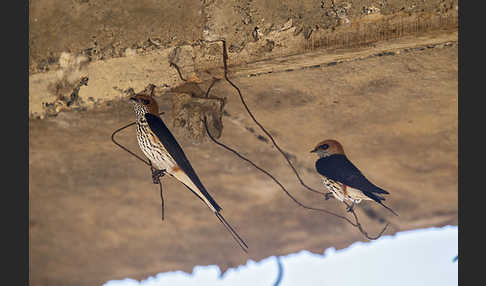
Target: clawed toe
[{"x": 156, "y": 175}]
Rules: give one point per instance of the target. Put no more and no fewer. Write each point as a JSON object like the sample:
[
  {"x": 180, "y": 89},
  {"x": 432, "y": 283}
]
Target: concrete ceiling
[{"x": 95, "y": 214}]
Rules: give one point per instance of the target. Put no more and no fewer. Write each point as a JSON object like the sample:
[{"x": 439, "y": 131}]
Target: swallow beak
[
  {"x": 313, "y": 151},
  {"x": 132, "y": 98}
]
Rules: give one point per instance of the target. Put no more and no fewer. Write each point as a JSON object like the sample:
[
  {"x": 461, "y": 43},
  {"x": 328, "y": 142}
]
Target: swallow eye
[{"x": 325, "y": 146}]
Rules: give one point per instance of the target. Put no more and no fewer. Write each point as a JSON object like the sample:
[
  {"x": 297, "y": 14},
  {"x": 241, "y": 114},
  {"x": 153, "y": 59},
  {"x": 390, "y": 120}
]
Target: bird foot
[
  {"x": 327, "y": 196},
  {"x": 157, "y": 174}
]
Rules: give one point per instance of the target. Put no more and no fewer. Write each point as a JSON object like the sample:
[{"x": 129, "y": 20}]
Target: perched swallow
[
  {"x": 342, "y": 178},
  {"x": 166, "y": 156}
]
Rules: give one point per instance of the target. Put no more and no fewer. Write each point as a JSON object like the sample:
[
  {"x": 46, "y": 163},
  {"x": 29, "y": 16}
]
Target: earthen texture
[{"x": 379, "y": 76}]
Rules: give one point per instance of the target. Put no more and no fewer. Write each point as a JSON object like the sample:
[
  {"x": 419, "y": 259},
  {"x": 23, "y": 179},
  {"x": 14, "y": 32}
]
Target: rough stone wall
[{"x": 103, "y": 29}]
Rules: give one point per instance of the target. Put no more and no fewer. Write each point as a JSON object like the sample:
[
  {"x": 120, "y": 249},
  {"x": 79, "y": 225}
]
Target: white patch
[
  {"x": 130, "y": 52},
  {"x": 336, "y": 189}
]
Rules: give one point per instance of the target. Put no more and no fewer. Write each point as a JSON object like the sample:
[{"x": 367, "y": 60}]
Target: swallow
[
  {"x": 167, "y": 157},
  {"x": 342, "y": 178}
]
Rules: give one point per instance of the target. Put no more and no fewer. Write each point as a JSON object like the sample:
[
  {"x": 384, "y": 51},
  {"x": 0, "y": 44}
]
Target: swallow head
[
  {"x": 327, "y": 148},
  {"x": 144, "y": 104}
]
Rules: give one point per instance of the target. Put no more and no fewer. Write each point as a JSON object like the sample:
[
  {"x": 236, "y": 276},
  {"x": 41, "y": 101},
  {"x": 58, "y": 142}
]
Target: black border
[
  {"x": 16, "y": 138},
  {"x": 470, "y": 122},
  {"x": 459, "y": 146}
]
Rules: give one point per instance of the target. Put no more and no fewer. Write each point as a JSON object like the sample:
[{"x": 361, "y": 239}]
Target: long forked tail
[
  {"x": 233, "y": 233},
  {"x": 388, "y": 208},
  {"x": 378, "y": 199}
]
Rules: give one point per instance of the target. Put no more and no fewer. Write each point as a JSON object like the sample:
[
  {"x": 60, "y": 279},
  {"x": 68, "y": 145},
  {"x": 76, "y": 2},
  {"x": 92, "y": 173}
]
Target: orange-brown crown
[
  {"x": 148, "y": 101},
  {"x": 331, "y": 146}
]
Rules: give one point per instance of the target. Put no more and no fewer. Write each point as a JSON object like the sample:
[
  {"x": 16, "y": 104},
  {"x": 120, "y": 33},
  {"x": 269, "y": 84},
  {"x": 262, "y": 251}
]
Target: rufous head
[
  {"x": 144, "y": 104},
  {"x": 327, "y": 148}
]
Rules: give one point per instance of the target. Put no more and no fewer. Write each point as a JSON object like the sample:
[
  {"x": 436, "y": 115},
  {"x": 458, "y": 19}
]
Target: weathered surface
[
  {"x": 380, "y": 76},
  {"x": 109, "y": 80},
  {"x": 102, "y": 29},
  {"x": 128, "y": 45},
  {"x": 95, "y": 215}
]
